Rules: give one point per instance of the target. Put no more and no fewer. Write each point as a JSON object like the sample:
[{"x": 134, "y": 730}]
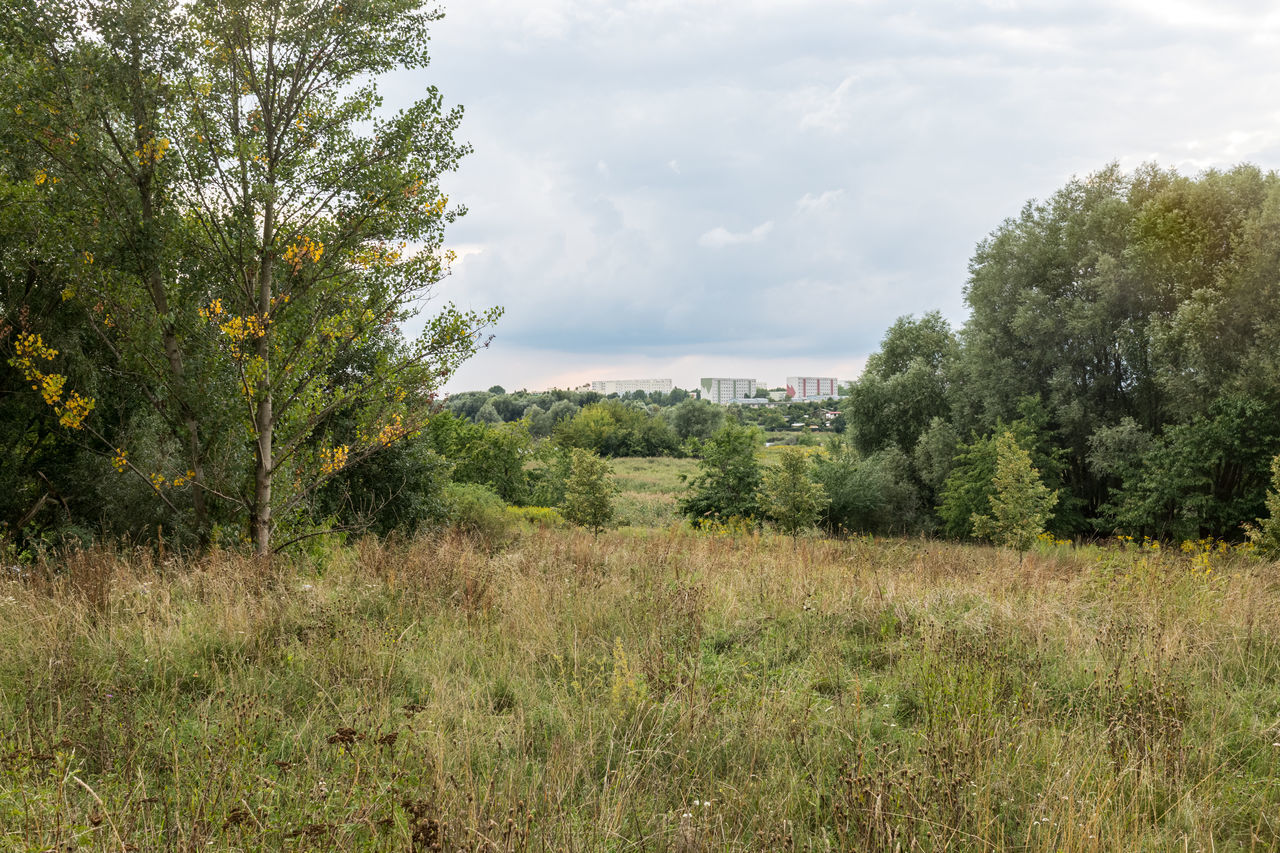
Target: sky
[{"x": 758, "y": 188}]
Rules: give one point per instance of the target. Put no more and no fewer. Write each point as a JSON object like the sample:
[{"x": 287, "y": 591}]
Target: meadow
[
  {"x": 647, "y": 690},
  {"x": 648, "y": 488}
]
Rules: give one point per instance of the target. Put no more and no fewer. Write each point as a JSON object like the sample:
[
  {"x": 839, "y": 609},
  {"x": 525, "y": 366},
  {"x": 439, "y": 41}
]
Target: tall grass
[{"x": 644, "y": 691}]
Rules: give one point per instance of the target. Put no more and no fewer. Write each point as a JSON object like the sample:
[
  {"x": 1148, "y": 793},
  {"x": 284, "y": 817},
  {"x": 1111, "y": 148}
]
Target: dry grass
[{"x": 643, "y": 691}]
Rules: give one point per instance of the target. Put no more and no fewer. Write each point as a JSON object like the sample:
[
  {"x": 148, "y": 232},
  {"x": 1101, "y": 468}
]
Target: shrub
[
  {"x": 478, "y": 512},
  {"x": 872, "y": 494},
  {"x": 538, "y": 516}
]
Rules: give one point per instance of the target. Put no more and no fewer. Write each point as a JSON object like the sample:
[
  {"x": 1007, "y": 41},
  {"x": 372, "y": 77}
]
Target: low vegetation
[{"x": 667, "y": 690}]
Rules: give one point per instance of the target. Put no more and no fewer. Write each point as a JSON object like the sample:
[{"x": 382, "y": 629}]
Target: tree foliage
[
  {"x": 1020, "y": 503},
  {"x": 589, "y": 490},
  {"x": 236, "y": 214},
  {"x": 789, "y": 496},
  {"x": 728, "y": 481}
]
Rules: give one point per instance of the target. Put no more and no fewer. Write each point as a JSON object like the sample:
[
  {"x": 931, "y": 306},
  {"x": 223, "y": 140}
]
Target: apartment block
[
  {"x": 628, "y": 386},
  {"x": 721, "y": 391},
  {"x": 821, "y": 387}
]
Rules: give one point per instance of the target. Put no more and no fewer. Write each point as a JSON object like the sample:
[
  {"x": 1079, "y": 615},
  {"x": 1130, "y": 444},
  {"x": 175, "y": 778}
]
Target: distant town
[{"x": 726, "y": 391}]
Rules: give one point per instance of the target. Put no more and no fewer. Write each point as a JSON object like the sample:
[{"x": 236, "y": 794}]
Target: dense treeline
[{"x": 1127, "y": 330}]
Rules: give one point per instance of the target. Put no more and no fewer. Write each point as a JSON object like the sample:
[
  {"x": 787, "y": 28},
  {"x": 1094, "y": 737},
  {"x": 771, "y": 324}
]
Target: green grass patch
[{"x": 647, "y": 690}]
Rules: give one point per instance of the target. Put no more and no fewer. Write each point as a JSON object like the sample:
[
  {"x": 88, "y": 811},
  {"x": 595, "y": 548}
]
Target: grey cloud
[{"x": 629, "y": 156}]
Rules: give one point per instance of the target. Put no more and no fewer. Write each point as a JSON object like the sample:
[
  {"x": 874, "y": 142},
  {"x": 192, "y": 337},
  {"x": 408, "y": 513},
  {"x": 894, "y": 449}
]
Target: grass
[
  {"x": 657, "y": 690},
  {"x": 648, "y": 488}
]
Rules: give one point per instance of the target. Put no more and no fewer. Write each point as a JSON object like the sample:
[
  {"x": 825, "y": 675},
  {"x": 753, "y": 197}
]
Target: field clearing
[
  {"x": 644, "y": 691},
  {"x": 648, "y": 488}
]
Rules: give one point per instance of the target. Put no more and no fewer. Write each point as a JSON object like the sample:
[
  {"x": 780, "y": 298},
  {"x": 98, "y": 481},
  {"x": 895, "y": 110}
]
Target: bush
[
  {"x": 400, "y": 489},
  {"x": 873, "y": 494},
  {"x": 478, "y": 512}
]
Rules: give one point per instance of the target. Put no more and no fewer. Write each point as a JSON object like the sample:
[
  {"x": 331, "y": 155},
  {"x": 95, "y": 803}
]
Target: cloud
[
  {"x": 719, "y": 237},
  {"x": 875, "y": 144},
  {"x": 810, "y": 203}
]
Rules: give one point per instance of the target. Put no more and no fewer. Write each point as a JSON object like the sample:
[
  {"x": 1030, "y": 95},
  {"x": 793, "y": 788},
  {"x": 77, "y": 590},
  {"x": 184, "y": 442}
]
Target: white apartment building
[
  {"x": 628, "y": 386},
  {"x": 811, "y": 386},
  {"x": 721, "y": 391}
]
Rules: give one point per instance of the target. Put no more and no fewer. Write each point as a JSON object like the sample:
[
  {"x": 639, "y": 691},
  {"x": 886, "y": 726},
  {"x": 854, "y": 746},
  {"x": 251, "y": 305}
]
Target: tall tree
[
  {"x": 270, "y": 220},
  {"x": 904, "y": 385}
]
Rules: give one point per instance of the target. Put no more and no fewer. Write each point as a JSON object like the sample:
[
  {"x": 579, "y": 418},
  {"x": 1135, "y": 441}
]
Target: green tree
[
  {"x": 588, "y": 492},
  {"x": 244, "y": 213},
  {"x": 482, "y": 454},
  {"x": 904, "y": 386},
  {"x": 728, "y": 481},
  {"x": 1145, "y": 295},
  {"x": 790, "y": 498},
  {"x": 617, "y": 428},
  {"x": 696, "y": 419},
  {"x": 1266, "y": 535},
  {"x": 1020, "y": 502}
]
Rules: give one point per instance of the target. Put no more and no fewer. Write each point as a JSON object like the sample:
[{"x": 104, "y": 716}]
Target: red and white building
[{"x": 811, "y": 386}]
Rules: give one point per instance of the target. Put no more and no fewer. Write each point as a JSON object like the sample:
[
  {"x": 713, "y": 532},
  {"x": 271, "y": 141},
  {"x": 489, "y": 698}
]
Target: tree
[
  {"x": 589, "y": 490},
  {"x": 1266, "y": 535},
  {"x": 904, "y": 386},
  {"x": 728, "y": 483},
  {"x": 696, "y": 419},
  {"x": 252, "y": 213},
  {"x": 1020, "y": 502},
  {"x": 790, "y": 498},
  {"x": 1145, "y": 295},
  {"x": 617, "y": 428},
  {"x": 871, "y": 494}
]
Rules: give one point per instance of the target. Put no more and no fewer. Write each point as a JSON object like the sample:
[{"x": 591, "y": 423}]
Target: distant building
[
  {"x": 722, "y": 391},
  {"x": 777, "y": 395},
  {"x": 813, "y": 387},
  {"x": 629, "y": 386}
]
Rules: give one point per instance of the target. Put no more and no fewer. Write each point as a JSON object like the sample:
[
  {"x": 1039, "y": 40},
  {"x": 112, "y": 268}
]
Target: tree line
[{"x": 1126, "y": 331}]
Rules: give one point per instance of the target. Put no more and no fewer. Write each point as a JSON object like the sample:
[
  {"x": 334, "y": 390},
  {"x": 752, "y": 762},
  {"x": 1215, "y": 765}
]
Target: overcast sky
[{"x": 685, "y": 188}]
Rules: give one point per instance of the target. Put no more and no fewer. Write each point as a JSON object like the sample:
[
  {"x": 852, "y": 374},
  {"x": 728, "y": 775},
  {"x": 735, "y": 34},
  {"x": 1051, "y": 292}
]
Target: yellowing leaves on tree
[
  {"x": 303, "y": 249},
  {"x": 152, "y": 151},
  {"x": 392, "y": 430},
  {"x": 29, "y": 350},
  {"x": 334, "y": 459}
]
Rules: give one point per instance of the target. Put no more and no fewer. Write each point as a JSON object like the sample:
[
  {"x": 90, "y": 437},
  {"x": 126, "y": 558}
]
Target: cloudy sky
[{"x": 686, "y": 188}]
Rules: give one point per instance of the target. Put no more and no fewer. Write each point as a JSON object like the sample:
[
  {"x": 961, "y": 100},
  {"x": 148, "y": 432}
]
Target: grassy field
[
  {"x": 657, "y": 690},
  {"x": 648, "y": 488}
]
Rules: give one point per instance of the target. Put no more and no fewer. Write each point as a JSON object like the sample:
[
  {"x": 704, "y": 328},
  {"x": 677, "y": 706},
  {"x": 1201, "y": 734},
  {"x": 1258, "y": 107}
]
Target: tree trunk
[{"x": 264, "y": 419}]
